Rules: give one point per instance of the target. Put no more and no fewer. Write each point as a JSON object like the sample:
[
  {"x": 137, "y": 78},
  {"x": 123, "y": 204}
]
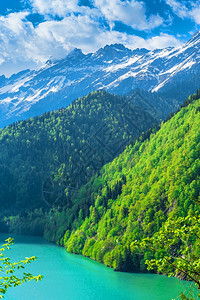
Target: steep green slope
[
  {"x": 136, "y": 193},
  {"x": 45, "y": 157}
]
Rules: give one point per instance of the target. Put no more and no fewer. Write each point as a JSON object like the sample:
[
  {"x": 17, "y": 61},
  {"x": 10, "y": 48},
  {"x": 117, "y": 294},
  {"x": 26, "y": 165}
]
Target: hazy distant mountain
[{"x": 114, "y": 68}]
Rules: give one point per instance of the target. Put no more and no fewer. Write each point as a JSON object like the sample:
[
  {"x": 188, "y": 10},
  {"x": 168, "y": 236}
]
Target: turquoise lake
[{"x": 72, "y": 277}]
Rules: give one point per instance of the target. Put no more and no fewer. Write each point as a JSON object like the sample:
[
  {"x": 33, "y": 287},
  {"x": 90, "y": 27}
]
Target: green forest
[
  {"x": 63, "y": 177},
  {"x": 46, "y": 159},
  {"x": 70, "y": 144},
  {"x": 150, "y": 183}
]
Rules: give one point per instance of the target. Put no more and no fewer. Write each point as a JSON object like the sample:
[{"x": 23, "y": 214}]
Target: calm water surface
[{"x": 72, "y": 277}]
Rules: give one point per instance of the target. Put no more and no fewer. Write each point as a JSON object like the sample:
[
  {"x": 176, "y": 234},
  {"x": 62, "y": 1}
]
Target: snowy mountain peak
[
  {"x": 195, "y": 38},
  {"x": 116, "y": 47},
  {"x": 113, "y": 51},
  {"x": 76, "y": 53},
  {"x": 140, "y": 51},
  {"x": 114, "y": 68},
  {"x": 49, "y": 62}
]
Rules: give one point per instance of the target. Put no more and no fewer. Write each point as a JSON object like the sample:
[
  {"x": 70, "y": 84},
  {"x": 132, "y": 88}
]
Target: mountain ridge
[{"x": 114, "y": 68}]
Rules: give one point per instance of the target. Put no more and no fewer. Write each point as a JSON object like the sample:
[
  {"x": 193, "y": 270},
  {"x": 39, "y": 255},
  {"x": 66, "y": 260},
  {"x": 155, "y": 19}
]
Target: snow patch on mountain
[{"x": 114, "y": 68}]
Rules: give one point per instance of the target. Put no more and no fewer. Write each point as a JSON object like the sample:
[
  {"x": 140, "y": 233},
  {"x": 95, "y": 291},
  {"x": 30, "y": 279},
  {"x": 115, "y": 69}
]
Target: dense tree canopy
[
  {"x": 150, "y": 183},
  {"x": 155, "y": 180},
  {"x": 41, "y": 157}
]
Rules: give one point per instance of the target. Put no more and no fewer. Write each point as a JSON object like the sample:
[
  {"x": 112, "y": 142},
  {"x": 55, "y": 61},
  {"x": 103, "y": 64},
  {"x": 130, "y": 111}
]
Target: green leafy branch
[
  {"x": 175, "y": 249},
  {"x": 7, "y": 270}
]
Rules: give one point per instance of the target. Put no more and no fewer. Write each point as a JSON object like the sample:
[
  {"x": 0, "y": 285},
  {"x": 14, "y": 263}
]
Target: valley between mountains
[
  {"x": 100, "y": 153},
  {"x": 52, "y": 187}
]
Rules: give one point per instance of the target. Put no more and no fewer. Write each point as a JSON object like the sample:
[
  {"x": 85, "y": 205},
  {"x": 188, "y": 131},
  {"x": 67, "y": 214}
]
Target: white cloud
[
  {"x": 60, "y": 8},
  {"x": 14, "y": 21},
  {"x": 186, "y": 9},
  {"x": 178, "y": 8},
  {"x": 84, "y": 33},
  {"x": 13, "y": 31},
  {"x": 160, "y": 41},
  {"x": 54, "y": 7},
  {"x": 132, "y": 13},
  {"x": 195, "y": 14},
  {"x": 22, "y": 45}
]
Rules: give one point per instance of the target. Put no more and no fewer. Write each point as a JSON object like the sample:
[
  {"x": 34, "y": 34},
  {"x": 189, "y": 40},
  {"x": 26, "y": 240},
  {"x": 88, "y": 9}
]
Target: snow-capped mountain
[{"x": 113, "y": 68}]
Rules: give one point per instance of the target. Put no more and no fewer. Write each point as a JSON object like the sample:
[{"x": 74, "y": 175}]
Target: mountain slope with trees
[
  {"x": 45, "y": 159},
  {"x": 151, "y": 182}
]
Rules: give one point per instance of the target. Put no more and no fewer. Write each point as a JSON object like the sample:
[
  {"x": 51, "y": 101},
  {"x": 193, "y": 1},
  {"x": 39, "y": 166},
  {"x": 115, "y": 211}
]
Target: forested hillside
[
  {"x": 135, "y": 194},
  {"x": 45, "y": 159}
]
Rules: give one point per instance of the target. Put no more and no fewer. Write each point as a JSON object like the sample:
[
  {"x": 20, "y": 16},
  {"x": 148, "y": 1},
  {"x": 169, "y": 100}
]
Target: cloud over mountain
[{"x": 26, "y": 42}]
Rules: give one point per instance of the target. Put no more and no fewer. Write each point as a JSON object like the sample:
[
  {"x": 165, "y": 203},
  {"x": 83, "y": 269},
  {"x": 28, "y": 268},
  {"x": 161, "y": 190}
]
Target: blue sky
[{"x": 32, "y": 31}]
